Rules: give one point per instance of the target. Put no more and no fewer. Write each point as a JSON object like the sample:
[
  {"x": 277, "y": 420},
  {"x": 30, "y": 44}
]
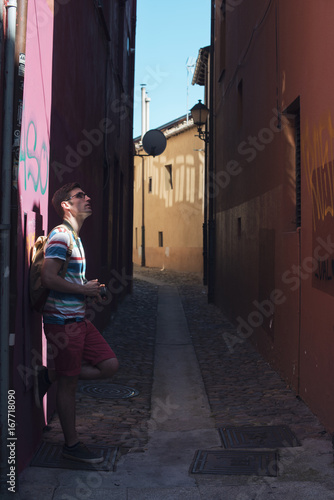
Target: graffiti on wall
[
  {"x": 318, "y": 155},
  {"x": 34, "y": 157},
  {"x": 318, "y": 149}
]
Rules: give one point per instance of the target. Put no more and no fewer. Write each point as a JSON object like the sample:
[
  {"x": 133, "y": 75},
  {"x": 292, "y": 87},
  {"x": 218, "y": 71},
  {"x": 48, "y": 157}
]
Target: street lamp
[{"x": 200, "y": 115}]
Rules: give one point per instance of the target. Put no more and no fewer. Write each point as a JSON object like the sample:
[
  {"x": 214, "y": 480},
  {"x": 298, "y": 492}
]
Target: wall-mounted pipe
[
  {"x": 8, "y": 100},
  {"x": 211, "y": 221}
]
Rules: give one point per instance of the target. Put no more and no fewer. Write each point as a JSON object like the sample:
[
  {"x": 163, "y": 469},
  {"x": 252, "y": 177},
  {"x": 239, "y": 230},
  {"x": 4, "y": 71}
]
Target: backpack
[{"x": 37, "y": 293}]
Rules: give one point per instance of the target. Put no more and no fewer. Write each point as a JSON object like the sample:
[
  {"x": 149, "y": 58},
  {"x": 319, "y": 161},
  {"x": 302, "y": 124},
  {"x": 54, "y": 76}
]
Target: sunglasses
[{"x": 81, "y": 195}]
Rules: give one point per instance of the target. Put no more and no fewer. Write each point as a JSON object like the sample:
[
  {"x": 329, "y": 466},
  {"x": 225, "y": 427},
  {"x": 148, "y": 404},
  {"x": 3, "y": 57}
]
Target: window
[
  {"x": 150, "y": 184},
  {"x": 292, "y": 114},
  {"x": 161, "y": 239},
  {"x": 168, "y": 177}
]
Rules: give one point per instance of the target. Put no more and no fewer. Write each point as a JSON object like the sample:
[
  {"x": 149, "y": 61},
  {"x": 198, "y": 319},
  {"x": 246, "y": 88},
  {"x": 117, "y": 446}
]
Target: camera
[{"x": 103, "y": 292}]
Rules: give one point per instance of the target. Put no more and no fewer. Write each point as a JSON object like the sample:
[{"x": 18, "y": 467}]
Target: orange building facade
[
  {"x": 168, "y": 202},
  {"x": 273, "y": 186}
]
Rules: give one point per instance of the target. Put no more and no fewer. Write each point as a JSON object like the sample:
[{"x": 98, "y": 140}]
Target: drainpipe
[
  {"x": 20, "y": 50},
  {"x": 1, "y": 35},
  {"x": 299, "y": 309},
  {"x": 143, "y": 258},
  {"x": 205, "y": 218},
  {"x": 211, "y": 221},
  {"x": 8, "y": 95},
  {"x": 145, "y": 103}
]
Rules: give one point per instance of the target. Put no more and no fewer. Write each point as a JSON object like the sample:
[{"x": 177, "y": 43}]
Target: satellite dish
[{"x": 154, "y": 142}]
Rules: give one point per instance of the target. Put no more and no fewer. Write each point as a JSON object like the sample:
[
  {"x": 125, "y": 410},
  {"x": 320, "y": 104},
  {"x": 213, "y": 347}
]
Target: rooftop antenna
[
  {"x": 145, "y": 111},
  {"x": 190, "y": 65}
]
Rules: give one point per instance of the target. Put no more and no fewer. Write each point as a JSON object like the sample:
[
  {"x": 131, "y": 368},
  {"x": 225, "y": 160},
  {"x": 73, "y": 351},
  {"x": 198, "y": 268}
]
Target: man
[{"x": 79, "y": 349}]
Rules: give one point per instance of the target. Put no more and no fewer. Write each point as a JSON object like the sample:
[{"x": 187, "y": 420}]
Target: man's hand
[{"x": 92, "y": 288}]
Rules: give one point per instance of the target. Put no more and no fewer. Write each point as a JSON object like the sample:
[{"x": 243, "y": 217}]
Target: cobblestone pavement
[
  {"x": 242, "y": 388},
  {"x": 122, "y": 422}
]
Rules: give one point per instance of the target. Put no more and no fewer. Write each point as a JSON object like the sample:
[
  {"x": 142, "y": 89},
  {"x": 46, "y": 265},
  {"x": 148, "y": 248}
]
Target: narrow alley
[{"x": 188, "y": 381}]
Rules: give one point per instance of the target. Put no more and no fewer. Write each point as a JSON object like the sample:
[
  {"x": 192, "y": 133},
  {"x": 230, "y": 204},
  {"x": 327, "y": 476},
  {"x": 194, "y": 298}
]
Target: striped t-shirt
[{"x": 59, "y": 305}]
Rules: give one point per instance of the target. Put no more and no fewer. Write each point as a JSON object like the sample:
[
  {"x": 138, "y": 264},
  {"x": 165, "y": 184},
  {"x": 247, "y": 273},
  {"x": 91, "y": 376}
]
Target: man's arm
[{"x": 52, "y": 281}]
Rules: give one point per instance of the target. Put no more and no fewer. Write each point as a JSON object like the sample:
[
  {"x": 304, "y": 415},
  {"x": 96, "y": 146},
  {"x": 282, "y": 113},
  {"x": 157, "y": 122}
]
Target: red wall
[
  {"x": 76, "y": 126},
  {"x": 91, "y": 132},
  {"x": 278, "y": 54}
]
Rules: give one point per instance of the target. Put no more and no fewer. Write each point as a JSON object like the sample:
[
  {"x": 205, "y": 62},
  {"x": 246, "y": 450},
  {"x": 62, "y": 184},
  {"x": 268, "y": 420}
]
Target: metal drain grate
[
  {"x": 107, "y": 391},
  {"x": 235, "y": 462},
  {"x": 49, "y": 455},
  {"x": 258, "y": 437}
]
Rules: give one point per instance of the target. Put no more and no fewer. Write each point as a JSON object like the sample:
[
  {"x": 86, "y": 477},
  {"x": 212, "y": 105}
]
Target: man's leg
[
  {"x": 98, "y": 360},
  {"x": 73, "y": 448},
  {"x": 70, "y": 355},
  {"x": 104, "y": 369},
  {"x": 66, "y": 408}
]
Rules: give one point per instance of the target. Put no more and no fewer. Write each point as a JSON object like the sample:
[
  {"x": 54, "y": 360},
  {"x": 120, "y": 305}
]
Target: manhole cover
[
  {"x": 49, "y": 455},
  {"x": 236, "y": 462},
  {"x": 108, "y": 391},
  {"x": 258, "y": 437}
]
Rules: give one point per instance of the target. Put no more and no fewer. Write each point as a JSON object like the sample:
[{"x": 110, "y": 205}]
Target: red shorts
[{"x": 73, "y": 343}]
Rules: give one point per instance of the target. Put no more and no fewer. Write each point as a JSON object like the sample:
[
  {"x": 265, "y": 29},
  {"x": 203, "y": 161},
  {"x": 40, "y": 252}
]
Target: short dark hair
[{"x": 61, "y": 195}]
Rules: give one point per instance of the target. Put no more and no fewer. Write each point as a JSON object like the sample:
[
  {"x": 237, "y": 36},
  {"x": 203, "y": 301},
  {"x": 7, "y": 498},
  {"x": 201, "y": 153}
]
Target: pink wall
[
  {"x": 33, "y": 197},
  {"x": 73, "y": 86}
]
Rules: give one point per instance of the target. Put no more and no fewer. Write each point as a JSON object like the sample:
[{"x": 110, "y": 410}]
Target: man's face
[{"x": 80, "y": 203}]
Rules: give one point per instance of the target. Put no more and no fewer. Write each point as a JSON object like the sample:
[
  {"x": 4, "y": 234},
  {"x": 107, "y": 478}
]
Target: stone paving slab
[
  {"x": 164, "y": 494},
  {"x": 290, "y": 491}
]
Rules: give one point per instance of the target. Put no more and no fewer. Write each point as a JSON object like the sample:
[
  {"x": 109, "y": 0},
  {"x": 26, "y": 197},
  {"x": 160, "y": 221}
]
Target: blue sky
[{"x": 169, "y": 36}]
